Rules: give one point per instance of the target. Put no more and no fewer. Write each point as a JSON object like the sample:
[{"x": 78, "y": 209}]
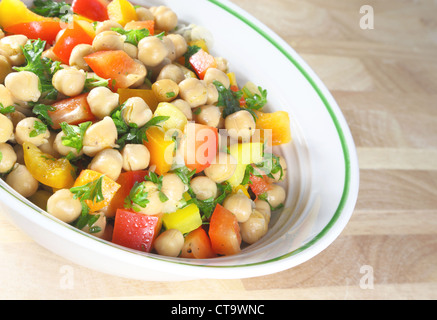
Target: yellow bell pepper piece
[
  {"x": 199, "y": 43},
  {"x": 14, "y": 12},
  {"x": 122, "y": 11},
  {"x": 161, "y": 149},
  {"x": 177, "y": 119},
  {"x": 109, "y": 188},
  {"x": 55, "y": 173},
  {"x": 244, "y": 153},
  {"x": 185, "y": 220},
  {"x": 232, "y": 78}
]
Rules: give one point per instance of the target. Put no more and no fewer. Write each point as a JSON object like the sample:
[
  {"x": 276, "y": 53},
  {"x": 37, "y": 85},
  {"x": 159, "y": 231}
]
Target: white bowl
[{"x": 323, "y": 174}]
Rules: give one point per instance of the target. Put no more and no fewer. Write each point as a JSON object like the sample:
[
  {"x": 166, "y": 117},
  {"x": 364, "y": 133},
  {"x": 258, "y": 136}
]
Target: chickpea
[
  {"x": 240, "y": 205},
  {"x": 69, "y": 82},
  {"x": 10, "y": 47},
  {"x": 222, "y": 64},
  {"x": 254, "y": 228},
  {"x": 77, "y": 56},
  {"x": 102, "y": 101},
  {"x": 214, "y": 74},
  {"x": 136, "y": 111},
  {"x": 108, "y": 162},
  {"x": 63, "y": 206},
  {"x": 240, "y": 125},
  {"x": 165, "y": 90},
  {"x": 276, "y": 195},
  {"x": 209, "y": 115},
  {"x": 144, "y": 14},
  {"x": 108, "y": 40},
  {"x": 193, "y": 91},
  {"x": 264, "y": 208},
  {"x": 5, "y": 68},
  {"x": 107, "y": 25},
  {"x": 25, "y": 131},
  {"x": 98, "y": 228},
  {"x": 8, "y": 157},
  {"x": 23, "y": 85},
  {"x": 184, "y": 107},
  {"x": 22, "y": 181},
  {"x": 165, "y": 18},
  {"x": 6, "y": 128},
  {"x": 171, "y": 72},
  {"x": 169, "y": 243},
  {"x": 212, "y": 93},
  {"x": 101, "y": 135},
  {"x": 152, "y": 51},
  {"x": 170, "y": 48},
  {"x": 131, "y": 50},
  {"x": 222, "y": 168},
  {"x": 135, "y": 157},
  {"x": 179, "y": 43},
  {"x": 204, "y": 187},
  {"x": 49, "y": 54},
  {"x": 173, "y": 187},
  {"x": 6, "y": 98}
]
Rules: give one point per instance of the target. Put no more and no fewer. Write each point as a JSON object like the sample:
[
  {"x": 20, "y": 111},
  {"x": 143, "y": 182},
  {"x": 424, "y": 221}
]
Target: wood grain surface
[{"x": 384, "y": 80}]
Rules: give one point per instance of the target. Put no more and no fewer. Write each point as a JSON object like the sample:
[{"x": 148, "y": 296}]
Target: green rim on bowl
[{"x": 346, "y": 155}]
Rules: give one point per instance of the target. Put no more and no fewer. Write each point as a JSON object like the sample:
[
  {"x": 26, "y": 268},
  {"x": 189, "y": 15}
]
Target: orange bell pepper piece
[
  {"x": 122, "y": 11},
  {"x": 14, "y": 12},
  {"x": 161, "y": 150},
  {"x": 278, "y": 123},
  {"x": 109, "y": 188}
]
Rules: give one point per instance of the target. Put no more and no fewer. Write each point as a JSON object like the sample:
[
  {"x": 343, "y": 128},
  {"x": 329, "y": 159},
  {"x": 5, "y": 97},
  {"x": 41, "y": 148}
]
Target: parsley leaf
[
  {"x": 137, "y": 197},
  {"x": 49, "y": 8},
  {"x": 133, "y": 36},
  {"x": 90, "y": 191},
  {"x": 6, "y": 110},
  {"x": 95, "y": 81},
  {"x": 41, "y": 110},
  {"x": 227, "y": 99},
  {"x": 38, "y": 128},
  {"x": 255, "y": 101},
  {"x": 74, "y": 134}
]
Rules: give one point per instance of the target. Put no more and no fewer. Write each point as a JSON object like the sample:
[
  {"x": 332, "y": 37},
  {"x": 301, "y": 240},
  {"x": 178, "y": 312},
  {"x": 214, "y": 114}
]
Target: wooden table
[{"x": 385, "y": 81}]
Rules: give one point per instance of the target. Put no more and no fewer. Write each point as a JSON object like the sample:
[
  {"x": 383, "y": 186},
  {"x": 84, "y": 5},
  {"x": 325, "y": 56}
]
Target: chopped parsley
[
  {"x": 91, "y": 191},
  {"x": 255, "y": 101},
  {"x": 133, "y": 36},
  {"x": 49, "y": 8},
  {"x": 38, "y": 128},
  {"x": 137, "y": 197},
  {"x": 42, "y": 111},
  {"x": 6, "y": 110},
  {"x": 74, "y": 135}
]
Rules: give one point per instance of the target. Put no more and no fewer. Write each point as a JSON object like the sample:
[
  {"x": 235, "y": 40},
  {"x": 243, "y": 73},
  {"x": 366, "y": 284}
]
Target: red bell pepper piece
[
  {"x": 224, "y": 232},
  {"x": 46, "y": 30},
  {"x": 201, "y": 61},
  {"x": 259, "y": 185},
  {"x": 197, "y": 245},
  {"x": 72, "y": 111},
  {"x": 116, "y": 65},
  {"x": 135, "y": 230},
  {"x": 95, "y": 10},
  {"x": 200, "y": 147},
  {"x": 72, "y": 36},
  {"x": 126, "y": 181}
]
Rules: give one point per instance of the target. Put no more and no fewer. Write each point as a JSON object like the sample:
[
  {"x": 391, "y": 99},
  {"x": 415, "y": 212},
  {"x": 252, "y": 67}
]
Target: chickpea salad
[{"x": 121, "y": 121}]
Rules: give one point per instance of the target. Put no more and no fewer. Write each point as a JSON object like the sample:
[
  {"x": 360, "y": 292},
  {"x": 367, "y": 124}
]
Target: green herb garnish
[
  {"x": 137, "y": 197},
  {"x": 74, "y": 134}
]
